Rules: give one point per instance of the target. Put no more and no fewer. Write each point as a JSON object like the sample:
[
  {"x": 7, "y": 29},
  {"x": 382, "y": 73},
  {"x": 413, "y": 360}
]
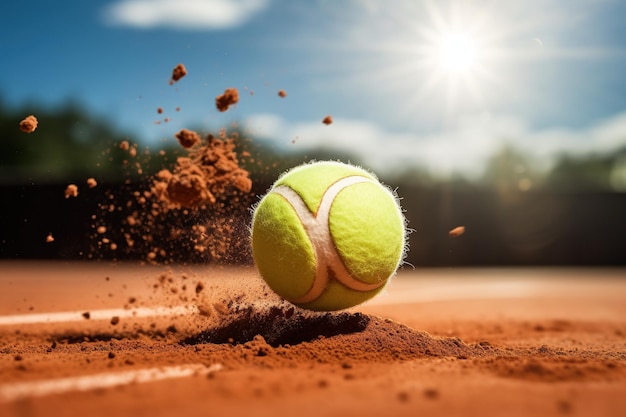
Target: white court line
[
  {"x": 12, "y": 392},
  {"x": 70, "y": 316},
  {"x": 399, "y": 294},
  {"x": 455, "y": 291}
]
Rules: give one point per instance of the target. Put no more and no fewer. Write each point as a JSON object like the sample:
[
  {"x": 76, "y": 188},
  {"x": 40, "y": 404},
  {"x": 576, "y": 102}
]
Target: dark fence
[
  {"x": 501, "y": 229},
  {"x": 530, "y": 228}
]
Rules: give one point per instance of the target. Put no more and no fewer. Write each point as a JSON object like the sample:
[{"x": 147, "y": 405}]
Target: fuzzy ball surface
[{"x": 328, "y": 236}]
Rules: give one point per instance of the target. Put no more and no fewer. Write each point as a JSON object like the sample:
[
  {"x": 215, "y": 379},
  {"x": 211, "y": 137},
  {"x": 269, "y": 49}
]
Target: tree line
[{"x": 72, "y": 143}]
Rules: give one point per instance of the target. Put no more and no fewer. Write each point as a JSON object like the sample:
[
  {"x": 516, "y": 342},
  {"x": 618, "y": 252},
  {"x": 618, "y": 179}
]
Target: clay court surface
[{"x": 102, "y": 339}]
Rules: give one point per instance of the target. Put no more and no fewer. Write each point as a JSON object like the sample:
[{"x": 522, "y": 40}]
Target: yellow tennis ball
[{"x": 328, "y": 236}]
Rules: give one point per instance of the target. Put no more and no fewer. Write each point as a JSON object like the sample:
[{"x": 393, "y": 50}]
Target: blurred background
[{"x": 507, "y": 118}]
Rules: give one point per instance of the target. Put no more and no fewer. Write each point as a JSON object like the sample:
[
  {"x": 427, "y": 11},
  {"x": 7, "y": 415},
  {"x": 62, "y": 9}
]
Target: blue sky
[{"x": 547, "y": 76}]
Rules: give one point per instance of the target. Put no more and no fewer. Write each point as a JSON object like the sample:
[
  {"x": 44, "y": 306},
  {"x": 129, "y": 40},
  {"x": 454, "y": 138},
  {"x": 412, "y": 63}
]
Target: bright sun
[{"x": 457, "y": 53}]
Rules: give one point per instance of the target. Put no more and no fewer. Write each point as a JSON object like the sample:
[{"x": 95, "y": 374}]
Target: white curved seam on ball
[
  {"x": 309, "y": 222},
  {"x": 318, "y": 230}
]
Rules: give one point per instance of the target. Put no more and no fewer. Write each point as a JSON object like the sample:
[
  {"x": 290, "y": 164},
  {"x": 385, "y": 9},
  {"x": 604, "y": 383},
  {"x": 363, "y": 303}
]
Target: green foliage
[
  {"x": 510, "y": 170},
  {"x": 591, "y": 172},
  {"x": 72, "y": 145},
  {"x": 67, "y": 143}
]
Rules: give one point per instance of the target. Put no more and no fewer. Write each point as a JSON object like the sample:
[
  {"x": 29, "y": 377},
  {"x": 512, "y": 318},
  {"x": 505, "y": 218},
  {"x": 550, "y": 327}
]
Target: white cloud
[
  {"x": 183, "y": 14},
  {"x": 463, "y": 150}
]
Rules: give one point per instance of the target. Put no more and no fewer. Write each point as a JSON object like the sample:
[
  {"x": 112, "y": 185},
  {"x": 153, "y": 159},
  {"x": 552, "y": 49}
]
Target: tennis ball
[{"x": 328, "y": 236}]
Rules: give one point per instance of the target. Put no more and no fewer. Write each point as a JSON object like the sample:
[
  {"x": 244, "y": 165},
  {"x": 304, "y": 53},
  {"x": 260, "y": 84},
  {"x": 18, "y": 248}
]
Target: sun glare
[
  {"x": 446, "y": 54},
  {"x": 457, "y": 53}
]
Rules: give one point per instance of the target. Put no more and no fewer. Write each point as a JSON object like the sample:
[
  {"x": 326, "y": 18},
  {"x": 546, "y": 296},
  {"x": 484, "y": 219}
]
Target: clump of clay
[
  {"x": 327, "y": 120},
  {"x": 282, "y": 93},
  {"x": 92, "y": 183},
  {"x": 188, "y": 138},
  {"x": 194, "y": 210},
  {"x": 49, "y": 238},
  {"x": 457, "y": 231},
  {"x": 29, "y": 124},
  {"x": 209, "y": 171},
  {"x": 230, "y": 97},
  {"x": 71, "y": 191},
  {"x": 179, "y": 72}
]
